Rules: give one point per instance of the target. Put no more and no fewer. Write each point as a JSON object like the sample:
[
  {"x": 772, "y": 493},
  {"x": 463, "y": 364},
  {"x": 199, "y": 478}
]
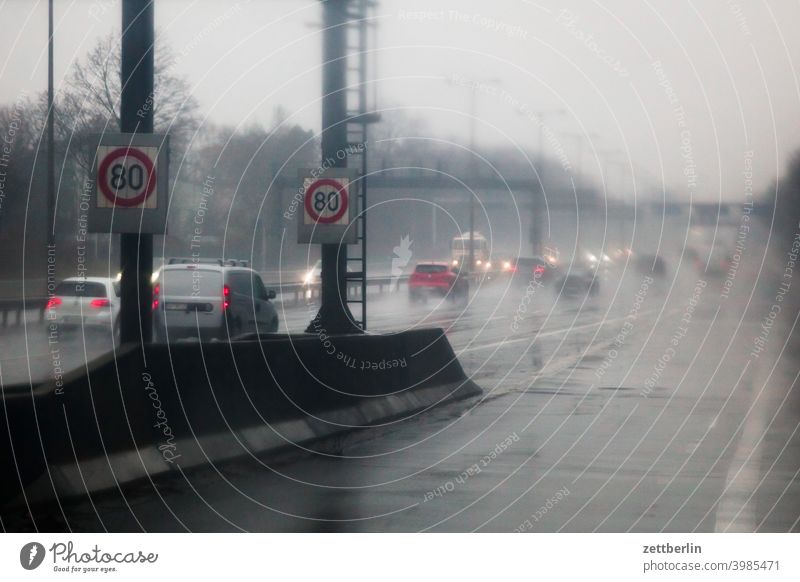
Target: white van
[{"x": 210, "y": 299}]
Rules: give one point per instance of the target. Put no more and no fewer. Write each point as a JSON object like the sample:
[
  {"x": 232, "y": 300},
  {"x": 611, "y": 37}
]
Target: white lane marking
[{"x": 540, "y": 334}]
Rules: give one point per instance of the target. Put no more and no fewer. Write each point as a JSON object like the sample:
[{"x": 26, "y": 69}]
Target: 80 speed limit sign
[
  {"x": 126, "y": 177},
  {"x": 328, "y": 202},
  {"x": 130, "y": 184}
]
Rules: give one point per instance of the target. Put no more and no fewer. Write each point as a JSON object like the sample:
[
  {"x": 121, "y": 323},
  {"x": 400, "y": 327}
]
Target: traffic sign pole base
[
  {"x": 334, "y": 315},
  {"x": 333, "y": 321}
]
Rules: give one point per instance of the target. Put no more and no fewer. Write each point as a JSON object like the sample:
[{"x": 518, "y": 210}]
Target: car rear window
[
  {"x": 431, "y": 268},
  {"x": 191, "y": 283},
  {"x": 80, "y": 289}
]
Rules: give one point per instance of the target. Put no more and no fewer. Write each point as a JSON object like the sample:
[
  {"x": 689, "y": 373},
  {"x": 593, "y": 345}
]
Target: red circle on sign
[
  {"x": 342, "y": 194},
  {"x": 106, "y": 189}
]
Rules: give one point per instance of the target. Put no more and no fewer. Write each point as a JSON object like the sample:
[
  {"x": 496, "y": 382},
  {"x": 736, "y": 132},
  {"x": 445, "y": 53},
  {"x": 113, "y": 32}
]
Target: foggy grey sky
[{"x": 726, "y": 82}]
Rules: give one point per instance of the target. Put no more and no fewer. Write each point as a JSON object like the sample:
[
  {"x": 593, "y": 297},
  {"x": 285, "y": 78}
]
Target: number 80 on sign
[
  {"x": 326, "y": 201},
  {"x": 126, "y": 177}
]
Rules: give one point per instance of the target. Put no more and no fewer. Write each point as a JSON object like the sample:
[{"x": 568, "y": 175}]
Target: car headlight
[
  {"x": 506, "y": 265},
  {"x": 455, "y": 262},
  {"x": 591, "y": 257},
  {"x": 479, "y": 262},
  {"x": 487, "y": 266},
  {"x": 308, "y": 278}
]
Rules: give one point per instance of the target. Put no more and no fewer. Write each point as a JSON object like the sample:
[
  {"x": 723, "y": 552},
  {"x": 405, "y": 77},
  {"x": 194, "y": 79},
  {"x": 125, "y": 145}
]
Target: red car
[{"x": 437, "y": 279}]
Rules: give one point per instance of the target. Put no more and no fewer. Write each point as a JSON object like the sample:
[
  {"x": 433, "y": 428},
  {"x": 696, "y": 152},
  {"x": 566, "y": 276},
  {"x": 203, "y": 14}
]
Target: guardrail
[
  {"x": 18, "y": 308},
  {"x": 297, "y": 292}
]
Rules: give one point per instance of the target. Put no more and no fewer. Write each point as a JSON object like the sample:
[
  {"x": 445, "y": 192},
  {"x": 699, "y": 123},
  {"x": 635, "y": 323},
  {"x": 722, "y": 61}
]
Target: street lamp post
[
  {"x": 51, "y": 179},
  {"x": 471, "y": 256},
  {"x": 538, "y": 204},
  {"x": 580, "y": 138},
  {"x": 608, "y": 161},
  {"x": 472, "y": 85}
]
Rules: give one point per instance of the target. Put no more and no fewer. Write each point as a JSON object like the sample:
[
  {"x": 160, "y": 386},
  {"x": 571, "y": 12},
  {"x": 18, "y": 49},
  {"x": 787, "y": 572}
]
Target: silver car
[{"x": 211, "y": 299}]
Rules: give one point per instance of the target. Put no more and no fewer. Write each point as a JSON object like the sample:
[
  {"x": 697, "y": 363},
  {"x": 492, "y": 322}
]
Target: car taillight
[
  {"x": 98, "y": 303},
  {"x": 156, "y": 291},
  {"x": 226, "y": 297},
  {"x": 53, "y": 302},
  {"x": 538, "y": 269}
]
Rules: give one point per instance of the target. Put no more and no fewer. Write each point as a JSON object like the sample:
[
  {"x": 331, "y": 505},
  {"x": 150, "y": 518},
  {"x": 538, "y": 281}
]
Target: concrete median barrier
[{"x": 166, "y": 408}]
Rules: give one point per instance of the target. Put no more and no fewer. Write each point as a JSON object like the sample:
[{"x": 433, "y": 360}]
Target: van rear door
[{"x": 192, "y": 298}]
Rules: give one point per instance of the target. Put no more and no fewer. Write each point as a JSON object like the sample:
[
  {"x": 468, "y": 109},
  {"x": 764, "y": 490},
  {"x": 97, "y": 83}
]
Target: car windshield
[
  {"x": 80, "y": 289},
  {"x": 191, "y": 283},
  {"x": 431, "y": 268}
]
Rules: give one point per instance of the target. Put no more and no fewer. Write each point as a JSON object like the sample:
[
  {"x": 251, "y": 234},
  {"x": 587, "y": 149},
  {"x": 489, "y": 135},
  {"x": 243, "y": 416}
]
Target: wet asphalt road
[{"x": 644, "y": 408}]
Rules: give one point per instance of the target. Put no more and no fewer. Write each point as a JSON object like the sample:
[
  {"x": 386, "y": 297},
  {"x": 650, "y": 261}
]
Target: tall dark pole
[
  {"x": 539, "y": 206},
  {"x": 334, "y": 315},
  {"x": 51, "y": 174},
  {"x": 136, "y": 116},
  {"x": 539, "y": 197},
  {"x": 471, "y": 254}
]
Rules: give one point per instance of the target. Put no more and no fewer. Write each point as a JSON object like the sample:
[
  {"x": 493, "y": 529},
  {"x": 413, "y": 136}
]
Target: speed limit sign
[
  {"x": 130, "y": 184},
  {"x": 326, "y": 201},
  {"x": 328, "y": 207},
  {"x": 126, "y": 177}
]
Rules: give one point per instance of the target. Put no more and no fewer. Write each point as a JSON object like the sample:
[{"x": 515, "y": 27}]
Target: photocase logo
[
  {"x": 31, "y": 555},
  {"x": 402, "y": 255}
]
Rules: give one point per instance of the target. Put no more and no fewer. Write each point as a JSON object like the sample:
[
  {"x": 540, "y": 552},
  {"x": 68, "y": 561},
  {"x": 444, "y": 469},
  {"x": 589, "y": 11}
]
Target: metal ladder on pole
[{"x": 359, "y": 117}]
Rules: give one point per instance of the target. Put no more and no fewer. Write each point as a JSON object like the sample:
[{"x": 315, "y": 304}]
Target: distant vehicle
[
  {"x": 651, "y": 265},
  {"x": 523, "y": 270},
  {"x": 211, "y": 298},
  {"x": 715, "y": 265},
  {"x": 600, "y": 258},
  {"x": 552, "y": 255},
  {"x": 314, "y": 275},
  {"x": 579, "y": 282},
  {"x": 436, "y": 279},
  {"x": 85, "y": 302},
  {"x": 459, "y": 252}
]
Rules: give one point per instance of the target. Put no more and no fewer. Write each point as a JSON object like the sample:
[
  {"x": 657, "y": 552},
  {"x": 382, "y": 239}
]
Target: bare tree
[
  {"x": 91, "y": 100},
  {"x": 18, "y": 136}
]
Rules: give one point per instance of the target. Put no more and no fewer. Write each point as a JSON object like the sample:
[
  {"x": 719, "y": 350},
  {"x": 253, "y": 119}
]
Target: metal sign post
[
  {"x": 136, "y": 117},
  {"x": 334, "y": 315}
]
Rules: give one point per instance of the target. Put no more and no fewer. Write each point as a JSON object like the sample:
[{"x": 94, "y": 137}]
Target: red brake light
[
  {"x": 53, "y": 302},
  {"x": 539, "y": 269},
  {"x": 156, "y": 291},
  {"x": 226, "y": 297},
  {"x": 98, "y": 303}
]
